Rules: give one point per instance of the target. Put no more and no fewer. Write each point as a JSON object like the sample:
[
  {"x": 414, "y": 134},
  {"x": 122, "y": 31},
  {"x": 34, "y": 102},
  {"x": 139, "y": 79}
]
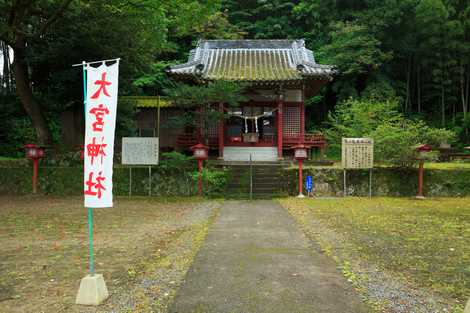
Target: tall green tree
[
  {"x": 24, "y": 22},
  {"x": 48, "y": 36},
  {"x": 357, "y": 54}
]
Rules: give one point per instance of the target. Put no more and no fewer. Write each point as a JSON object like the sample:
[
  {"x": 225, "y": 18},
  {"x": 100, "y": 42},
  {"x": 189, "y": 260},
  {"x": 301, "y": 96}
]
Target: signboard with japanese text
[
  {"x": 100, "y": 123},
  {"x": 140, "y": 150},
  {"x": 357, "y": 153}
]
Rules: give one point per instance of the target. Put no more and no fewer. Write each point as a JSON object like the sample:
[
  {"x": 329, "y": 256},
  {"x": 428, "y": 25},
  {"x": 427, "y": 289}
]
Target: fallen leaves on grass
[{"x": 422, "y": 242}]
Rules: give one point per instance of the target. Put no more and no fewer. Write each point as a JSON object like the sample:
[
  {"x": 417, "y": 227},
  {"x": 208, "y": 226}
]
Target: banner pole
[
  {"x": 90, "y": 210},
  {"x": 90, "y": 234}
]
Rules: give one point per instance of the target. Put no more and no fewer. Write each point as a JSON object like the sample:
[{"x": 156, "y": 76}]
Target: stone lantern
[
  {"x": 200, "y": 153},
  {"x": 34, "y": 153},
  {"x": 300, "y": 154}
]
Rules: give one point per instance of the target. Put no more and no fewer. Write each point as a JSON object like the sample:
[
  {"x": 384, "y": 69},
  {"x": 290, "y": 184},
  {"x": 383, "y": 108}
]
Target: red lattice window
[
  {"x": 211, "y": 129},
  {"x": 211, "y": 126},
  {"x": 291, "y": 121}
]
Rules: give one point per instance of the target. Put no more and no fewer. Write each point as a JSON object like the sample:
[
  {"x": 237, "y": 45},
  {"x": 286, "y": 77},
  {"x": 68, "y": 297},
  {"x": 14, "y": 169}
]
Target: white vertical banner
[{"x": 100, "y": 123}]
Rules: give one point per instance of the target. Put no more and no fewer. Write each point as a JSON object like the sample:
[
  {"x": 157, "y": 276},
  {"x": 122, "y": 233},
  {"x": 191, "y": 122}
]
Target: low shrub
[{"x": 395, "y": 137}]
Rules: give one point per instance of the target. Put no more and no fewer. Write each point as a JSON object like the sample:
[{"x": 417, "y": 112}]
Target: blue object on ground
[{"x": 309, "y": 183}]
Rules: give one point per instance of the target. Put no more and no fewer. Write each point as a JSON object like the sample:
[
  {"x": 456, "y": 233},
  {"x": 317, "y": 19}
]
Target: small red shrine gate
[{"x": 280, "y": 73}]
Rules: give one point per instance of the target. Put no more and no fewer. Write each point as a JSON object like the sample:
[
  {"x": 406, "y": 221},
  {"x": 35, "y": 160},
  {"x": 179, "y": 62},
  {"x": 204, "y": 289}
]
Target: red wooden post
[
  {"x": 279, "y": 125},
  {"x": 420, "y": 180},
  {"x": 35, "y": 174},
  {"x": 221, "y": 130},
  {"x": 199, "y": 183},
  {"x": 34, "y": 153}
]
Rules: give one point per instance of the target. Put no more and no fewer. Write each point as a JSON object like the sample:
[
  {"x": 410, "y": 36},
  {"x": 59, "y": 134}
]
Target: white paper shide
[{"x": 100, "y": 123}]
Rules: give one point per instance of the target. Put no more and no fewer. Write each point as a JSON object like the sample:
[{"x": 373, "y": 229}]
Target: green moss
[
  {"x": 69, "y": 181},
  {"x": 422, "y": 242},
  {"x": 386, "y": 181}
]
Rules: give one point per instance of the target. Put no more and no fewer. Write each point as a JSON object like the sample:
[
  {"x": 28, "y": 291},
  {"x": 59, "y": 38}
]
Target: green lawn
[{"x": 425, "y": 243}]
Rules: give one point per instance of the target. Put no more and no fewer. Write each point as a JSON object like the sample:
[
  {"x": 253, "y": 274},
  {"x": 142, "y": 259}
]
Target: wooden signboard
[
  {"x": 140, "y": 150},
  {"x": 357, "y": 153}
]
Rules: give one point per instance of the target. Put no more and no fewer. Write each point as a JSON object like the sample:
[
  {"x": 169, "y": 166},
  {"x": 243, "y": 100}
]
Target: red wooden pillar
[
  {"x": 221, "y": 131},
  {"x": 279, "y": 124},
  {"x": 199, "y": 180},
  {"x": 35, "y": 174}
]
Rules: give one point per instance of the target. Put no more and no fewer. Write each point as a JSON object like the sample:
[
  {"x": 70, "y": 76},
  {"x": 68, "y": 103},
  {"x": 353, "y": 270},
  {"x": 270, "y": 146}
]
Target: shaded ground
[
  {"x": 143, "y": 248},
  {"x": 256, "y": 259},
  {"x": 404, "y": 255}
]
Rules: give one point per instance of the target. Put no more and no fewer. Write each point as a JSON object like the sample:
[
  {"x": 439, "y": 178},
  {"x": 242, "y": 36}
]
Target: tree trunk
[
  {"x": 25, "y": 93},
  {"x": 462, "y": 91},
  {"x": 6, "y": 71},
  {"x": 465, "y": 87},
  {"x": 418, "y": 86},
  {"x": 454, "y": 113},
  {"x": 408, "y": 77},
  {"x": 443, "y": 106}
]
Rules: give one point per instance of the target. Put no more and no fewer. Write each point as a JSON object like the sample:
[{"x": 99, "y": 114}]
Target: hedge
[
  {"x": 69, "y": 181},
  {"x": 386, "y": 181},
  {"x": 181, "y": 182}
]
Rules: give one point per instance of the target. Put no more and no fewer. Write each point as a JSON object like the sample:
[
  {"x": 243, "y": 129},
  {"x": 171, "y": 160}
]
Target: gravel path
[
  {"x": 255, "y": 259},
  {"x": 164, "y": 270}
]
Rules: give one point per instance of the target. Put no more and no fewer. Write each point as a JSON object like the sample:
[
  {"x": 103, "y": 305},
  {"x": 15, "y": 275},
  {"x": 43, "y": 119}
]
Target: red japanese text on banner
[{"x": 102, "y": 90}]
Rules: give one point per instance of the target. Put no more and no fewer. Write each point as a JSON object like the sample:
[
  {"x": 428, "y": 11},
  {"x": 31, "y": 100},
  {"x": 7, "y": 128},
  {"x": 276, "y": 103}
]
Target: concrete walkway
[{"x": 256, "y": 259}]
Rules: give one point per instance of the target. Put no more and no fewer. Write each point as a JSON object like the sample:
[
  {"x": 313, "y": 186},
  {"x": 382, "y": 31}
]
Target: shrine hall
[{"x": 280, "y": 75}]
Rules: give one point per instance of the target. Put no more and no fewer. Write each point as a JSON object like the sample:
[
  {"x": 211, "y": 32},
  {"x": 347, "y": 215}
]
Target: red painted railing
[{"x": 310, "y": 140}]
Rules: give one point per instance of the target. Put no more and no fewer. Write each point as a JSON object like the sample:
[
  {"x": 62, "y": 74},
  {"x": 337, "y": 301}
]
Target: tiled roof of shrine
[{"x": 252, "y": 61}]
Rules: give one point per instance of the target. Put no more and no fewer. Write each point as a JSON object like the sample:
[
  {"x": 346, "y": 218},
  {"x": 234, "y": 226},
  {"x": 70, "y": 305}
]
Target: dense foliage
[
  {"x": 395, "y": 137},
  {"x": 415, "y": 51}
]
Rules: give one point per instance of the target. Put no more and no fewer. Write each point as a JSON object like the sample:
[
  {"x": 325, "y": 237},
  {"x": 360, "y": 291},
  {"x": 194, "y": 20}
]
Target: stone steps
[{"x": 266, "y": 181}]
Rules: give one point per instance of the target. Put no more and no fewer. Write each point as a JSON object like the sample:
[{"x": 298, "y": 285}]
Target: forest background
[{"x": 415, "y": 53}]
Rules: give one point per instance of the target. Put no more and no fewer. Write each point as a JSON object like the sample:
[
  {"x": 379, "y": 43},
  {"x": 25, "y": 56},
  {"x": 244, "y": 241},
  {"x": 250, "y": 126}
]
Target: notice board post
[{"x": 357, "y": 153}]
